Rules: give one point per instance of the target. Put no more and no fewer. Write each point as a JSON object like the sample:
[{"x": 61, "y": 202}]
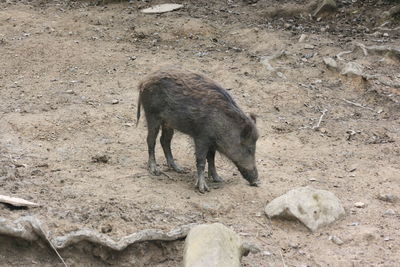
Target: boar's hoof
[
  {"x": 176, "y": 168},
  {"x": 202, "y": 186},
  {"x": 154, "y": 170},
  {"x": 255, "y": 183},
  {"x": 217, "y": 179}
]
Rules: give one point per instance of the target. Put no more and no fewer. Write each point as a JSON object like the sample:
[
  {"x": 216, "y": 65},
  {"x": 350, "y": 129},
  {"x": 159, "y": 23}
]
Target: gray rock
[
  {"x": 387, "y": 198},
  {"x": 314, "y": 208},
  {"x": 325, "y": 7},
  {"x": 213, "y": 245},
  {"x": 359, "y": 205},
  {"x": 390, "y": 212},
  {"x": 330, "y": 63},
  {"x": 352, "y": 69},
  {"x": 336, "y": 240}
]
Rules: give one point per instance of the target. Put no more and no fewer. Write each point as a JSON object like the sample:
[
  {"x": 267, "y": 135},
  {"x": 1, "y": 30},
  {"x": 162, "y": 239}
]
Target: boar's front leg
[
  {"x": 201, "y": 148},
  {"x": 212, "y": 172},
  {"x": 153, "y": 127},
  {"x": 166, "y": 137}
]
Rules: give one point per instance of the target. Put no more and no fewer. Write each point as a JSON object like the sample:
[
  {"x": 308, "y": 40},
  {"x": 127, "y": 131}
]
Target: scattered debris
[
  {"x": 17, "y": 202},
  {"x": 163, "y": 8},
  {"x": 266, "y": 60},
  {"x": 314, "y": 208}
]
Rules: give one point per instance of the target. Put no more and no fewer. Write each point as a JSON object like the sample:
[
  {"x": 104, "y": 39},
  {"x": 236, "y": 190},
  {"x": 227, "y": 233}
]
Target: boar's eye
[{"x": 250, "y": 150}]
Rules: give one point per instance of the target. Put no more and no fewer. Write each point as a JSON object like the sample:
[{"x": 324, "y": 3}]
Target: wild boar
[{"x": 176, "y": 99}]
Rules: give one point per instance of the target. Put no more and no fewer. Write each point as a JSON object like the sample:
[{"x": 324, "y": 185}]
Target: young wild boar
[{"x": 176, "y": 99}]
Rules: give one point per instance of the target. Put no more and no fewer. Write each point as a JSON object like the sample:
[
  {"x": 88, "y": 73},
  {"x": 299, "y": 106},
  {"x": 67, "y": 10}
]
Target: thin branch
[
  {"x": 338, "y": 56},
  {"x": 320, "y": 119},
  {"x": 357, "y": 104},
  {"x": 283, "y": 261},
  {"x": 52, "y": 246}
]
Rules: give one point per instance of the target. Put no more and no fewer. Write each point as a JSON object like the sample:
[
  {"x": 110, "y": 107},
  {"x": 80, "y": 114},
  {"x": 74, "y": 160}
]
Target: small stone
[
  {"x": 359, "y": 205},
  {"x": 115, "y": 101},
  {"x": 390, "y": 212},
  {"x": 352, "y": 69},
  {"x": 302, "y": 38},
  {"x": 106, "y": 229},
  {"x": 330, "y": 63},
  {"x": 387, "y": 198},
  {"x": 385, "y": 34},
  {"x": 336, "y": 240},
  {"x": 266, "y": 253},
  {"x": 308, "y": 46},
  {"x": 70, "y": 92}
]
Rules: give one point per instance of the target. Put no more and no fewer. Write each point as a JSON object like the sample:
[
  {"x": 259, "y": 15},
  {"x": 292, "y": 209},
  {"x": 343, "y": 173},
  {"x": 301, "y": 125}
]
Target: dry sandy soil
[{"x": 68, "y": 78}]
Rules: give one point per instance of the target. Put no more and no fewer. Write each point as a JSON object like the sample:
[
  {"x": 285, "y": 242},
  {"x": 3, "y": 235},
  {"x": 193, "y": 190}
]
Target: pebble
[
  {"x": 70, "y": 92},
  {"x": 385, "y": 34},
  {"x": 387, "y": 197},
  {"x": 390, "y": 212},
  {"x": 302, "y": 38},
  {"x": 336, "y": 240},
  {"x": 359, "y": 205},
  {"x": 115, "y": 101},
  {"x": 266, "y": 253}
]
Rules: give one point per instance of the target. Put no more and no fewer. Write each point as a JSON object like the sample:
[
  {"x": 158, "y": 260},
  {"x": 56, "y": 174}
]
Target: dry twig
[{"x": 357, "y": 104}]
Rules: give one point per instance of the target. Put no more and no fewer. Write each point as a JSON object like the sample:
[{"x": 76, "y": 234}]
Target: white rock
[
  {"x": 213, "y": 245},
  {"x": 162, "y": 8},
  {"x": 314, "y": 208},
  {"x": 330, "y": 63},
  {"x": 359, "y": 205},
  {"x": 336, "y": 240},
  {"x": 352, "y": 69},
  {"x": 302, "y": 38},
  {"x": 390, "y": 212}
]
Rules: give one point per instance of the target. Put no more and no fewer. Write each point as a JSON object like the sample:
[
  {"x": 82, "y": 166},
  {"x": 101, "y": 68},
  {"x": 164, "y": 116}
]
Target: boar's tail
[{"x": 138, "y": 109}]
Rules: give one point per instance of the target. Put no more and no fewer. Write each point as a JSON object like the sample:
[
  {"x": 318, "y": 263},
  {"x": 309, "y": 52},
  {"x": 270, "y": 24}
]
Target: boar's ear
[
  {"x": 253, "y": 117},
  {"x": 246, "y": 132}
]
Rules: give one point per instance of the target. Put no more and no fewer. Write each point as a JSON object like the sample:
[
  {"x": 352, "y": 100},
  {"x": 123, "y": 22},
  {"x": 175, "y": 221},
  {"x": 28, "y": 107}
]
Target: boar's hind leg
[
  {"x": 201, "y": 155},
  {"x": 153, "y": 127},
  {"x": 212, "y": 172},
  {"x": 165, "y": 140}
]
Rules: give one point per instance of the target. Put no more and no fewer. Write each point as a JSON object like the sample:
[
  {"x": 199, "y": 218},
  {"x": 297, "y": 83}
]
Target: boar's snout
[{"x": 250, "y": 175}]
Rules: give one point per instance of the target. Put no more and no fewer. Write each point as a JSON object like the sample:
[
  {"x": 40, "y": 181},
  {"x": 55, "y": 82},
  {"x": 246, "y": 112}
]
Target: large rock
[
  {"x": 213, "y": 245},
  {"x": 314, "y": 208}
]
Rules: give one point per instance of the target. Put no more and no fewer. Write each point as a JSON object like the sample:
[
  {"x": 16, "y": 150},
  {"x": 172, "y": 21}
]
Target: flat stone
[{"x": 314, "y": 208}]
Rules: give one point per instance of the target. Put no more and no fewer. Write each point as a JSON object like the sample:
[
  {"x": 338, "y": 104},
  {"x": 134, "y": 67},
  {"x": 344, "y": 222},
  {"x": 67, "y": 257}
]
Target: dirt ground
[{"x": 68, "y": 87}]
